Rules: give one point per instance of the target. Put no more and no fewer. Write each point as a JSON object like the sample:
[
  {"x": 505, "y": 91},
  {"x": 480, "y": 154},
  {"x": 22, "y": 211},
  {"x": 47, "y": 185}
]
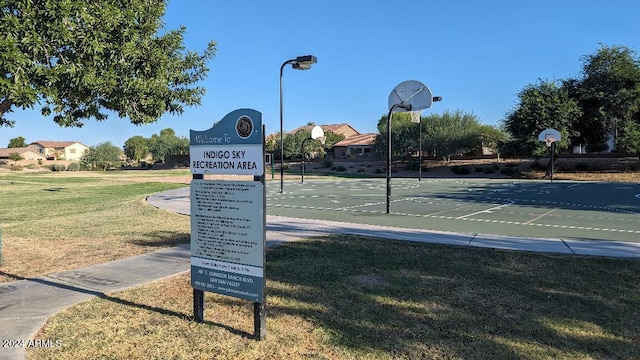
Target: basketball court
[{"x": 522, "y": 208}]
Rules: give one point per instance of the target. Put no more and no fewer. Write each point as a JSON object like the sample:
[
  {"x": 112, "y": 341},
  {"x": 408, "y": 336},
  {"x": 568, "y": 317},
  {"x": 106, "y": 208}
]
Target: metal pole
[
  {"x": 553, "y": 152},
  {"x": 302, "y": 152},
  {"x": 281, "y": 131},
  {"x": 393, "y": 108},
  {"x": 420, "y": 151},
  {"x": 198, "y": 295}
]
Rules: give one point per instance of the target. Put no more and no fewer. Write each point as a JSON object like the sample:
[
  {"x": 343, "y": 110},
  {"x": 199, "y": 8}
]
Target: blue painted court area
[{"x": 523, "y": 208}]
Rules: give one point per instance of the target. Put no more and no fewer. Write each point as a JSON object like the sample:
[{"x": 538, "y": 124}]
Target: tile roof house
[
  {"x": 26, "y": 153},
  {"x": 356, "y": 146},
  {"x": 59, "y": 150},
  {"x": 340, "y": 129}
]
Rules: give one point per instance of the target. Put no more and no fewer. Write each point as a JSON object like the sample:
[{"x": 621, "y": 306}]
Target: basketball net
[
  {"x": 415, "y": 116},
  {"x": 549, "y": 141}
]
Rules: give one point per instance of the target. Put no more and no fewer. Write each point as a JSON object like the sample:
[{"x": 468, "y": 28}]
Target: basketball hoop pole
[
  {"x": 393, "y": 108},
  {"x": 553, "y": 153}
]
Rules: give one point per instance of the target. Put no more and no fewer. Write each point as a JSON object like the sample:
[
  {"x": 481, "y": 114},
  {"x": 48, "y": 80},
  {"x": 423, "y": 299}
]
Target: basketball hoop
[{"x": 415, "y": 116}]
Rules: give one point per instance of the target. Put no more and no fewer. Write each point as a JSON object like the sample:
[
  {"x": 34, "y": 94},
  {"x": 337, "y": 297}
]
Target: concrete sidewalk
[{"x": 26, "y": 304}]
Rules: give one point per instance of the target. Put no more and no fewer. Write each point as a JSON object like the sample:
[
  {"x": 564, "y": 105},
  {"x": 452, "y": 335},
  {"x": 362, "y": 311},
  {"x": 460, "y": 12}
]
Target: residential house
[
  {"x": 59, "y": 150},
  {"x": 356, "y": 146},
  {"x": 26, "y": 153},
  {"x": 340, "y": 129}
]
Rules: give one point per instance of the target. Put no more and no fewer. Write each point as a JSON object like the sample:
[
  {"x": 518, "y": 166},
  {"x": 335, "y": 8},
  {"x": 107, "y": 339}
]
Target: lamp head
[{"x": 304, "y": 62}]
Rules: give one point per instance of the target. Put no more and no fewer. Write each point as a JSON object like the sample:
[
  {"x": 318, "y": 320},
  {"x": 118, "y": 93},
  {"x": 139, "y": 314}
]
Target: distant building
[
  {"x": 26, "y": 153},
  {"x": 356, "y": 146},
  {"x": 59, "y": 150}
]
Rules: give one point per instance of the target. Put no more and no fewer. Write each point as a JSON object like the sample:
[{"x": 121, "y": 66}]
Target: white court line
[{"x": 486, "y": 210}]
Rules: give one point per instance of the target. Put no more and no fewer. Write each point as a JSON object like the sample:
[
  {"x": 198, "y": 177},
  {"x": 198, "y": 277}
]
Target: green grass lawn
[
  {"x": 60, "y": 221},
  {"x": 345, "y": 297},
  {"x": 338, "y": 297}
]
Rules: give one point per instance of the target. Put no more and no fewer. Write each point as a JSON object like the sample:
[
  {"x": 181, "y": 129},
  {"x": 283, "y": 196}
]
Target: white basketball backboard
[
  {"x": 317, "y": 132},
  {"x": 549, "y": 135},
  {"x": 413, "y": 93}
]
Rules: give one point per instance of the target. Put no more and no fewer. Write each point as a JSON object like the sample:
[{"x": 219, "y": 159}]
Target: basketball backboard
[
  {"x": 317, "y": 132},
  {"x": 413, "y": 93},
  {"x": 549, "y": 135}
]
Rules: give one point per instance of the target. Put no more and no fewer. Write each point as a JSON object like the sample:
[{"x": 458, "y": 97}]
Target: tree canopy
[
  {"x": 79, "y": 59},
  {"x": 597, "y": 110},
  {"x": 103, "y": 155},
  {"x": 17, "y": 142},
  {"x": 443, "y": 134}
]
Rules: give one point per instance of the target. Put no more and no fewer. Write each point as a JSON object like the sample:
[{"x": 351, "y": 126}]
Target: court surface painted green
[{"x": 523, "y": 208}]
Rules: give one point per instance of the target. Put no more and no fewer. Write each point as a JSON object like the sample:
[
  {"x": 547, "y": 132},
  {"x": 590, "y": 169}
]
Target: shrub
[
  {"x": 54, "y": 167},
  {"x": 361, "y": 170},
  {"x": 73, "y": 167},
  {"x": 341, "y": 168},
  {"x": 33, "y": 166},
  {"x": 461, "y": 170},
  {"x": 511, "y": 171},
  {"x": 378, "y": 171},
  {"x": 480, "y": 169},
  {"x": 327, "y": 163},
  {"x": 489, "y": 170},
  {"x": 16, "y": 168},
  {"x": 581, "y": 166},
  {"x": 413, "y": 165}
]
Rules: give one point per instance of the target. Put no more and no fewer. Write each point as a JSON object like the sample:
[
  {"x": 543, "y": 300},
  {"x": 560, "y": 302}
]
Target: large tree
[
  {"x": 167, "y": 143},
  {"x": 609, "y": 92},
  {"x": 136, "y": 148},
  {"x": 543, "y": 105},
  {"x": 17, "y": 142},
  {"x": 79, "y": 59},
  {"x": 103, "y": 155}
]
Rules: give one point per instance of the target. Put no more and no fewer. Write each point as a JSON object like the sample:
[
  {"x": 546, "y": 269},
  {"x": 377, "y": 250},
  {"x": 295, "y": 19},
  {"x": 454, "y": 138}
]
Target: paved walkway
[{"x": 26, "y": 304}]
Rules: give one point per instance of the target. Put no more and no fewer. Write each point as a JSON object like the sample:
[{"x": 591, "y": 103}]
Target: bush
[
  {"x": 33, "y": 166},
  {"x": 413, "y": 165},
  {"x": 461, "y": 170},
  {"x": 341, "y": 168},
  {"x": 73, "y": 167},
  {"x": 16, "y": 168},
  {"x": 378, "y": 171},
  {"x": 327, "y": 163},
  {"x": 361, "y": 170},
  {"x": 511, "y": 171},
  {"x": 480, "y": 169},
  {"x": 489, "y": 170},
  {"x": 55, "y": 167},
  {"x": 582, "y": 167}
]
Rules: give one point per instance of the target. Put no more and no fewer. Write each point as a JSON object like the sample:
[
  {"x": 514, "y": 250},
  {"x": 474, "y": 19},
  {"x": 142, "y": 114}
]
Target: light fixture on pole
[{"x": 299, "y": 63}]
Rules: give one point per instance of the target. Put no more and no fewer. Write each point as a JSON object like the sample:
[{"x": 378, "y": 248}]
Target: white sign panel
[{"x": 227, "y": 160}]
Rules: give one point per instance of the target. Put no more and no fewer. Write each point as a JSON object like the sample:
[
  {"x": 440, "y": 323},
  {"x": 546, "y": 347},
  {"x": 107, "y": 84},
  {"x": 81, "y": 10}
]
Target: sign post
[{"x": 228, "y": 218}]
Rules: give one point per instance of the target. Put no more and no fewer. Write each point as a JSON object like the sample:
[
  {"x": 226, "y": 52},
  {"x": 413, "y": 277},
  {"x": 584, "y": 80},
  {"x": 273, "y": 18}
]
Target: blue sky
[{"x": 477, "y": 55}]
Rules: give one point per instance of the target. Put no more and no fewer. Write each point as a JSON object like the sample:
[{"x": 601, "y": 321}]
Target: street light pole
[{"x": 299, "y": 63}]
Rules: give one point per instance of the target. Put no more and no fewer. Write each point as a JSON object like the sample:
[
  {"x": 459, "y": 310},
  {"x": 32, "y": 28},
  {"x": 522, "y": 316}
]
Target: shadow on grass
[
  {"x": 160, "y": 239},
  {"x": 117, "y": 300},
  {"x": 416, "y": 300}
]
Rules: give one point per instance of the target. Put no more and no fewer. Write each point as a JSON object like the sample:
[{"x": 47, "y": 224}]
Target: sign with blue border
[
  {"x": 233, "y": 146},
  {"x": 228, "y": 217}
]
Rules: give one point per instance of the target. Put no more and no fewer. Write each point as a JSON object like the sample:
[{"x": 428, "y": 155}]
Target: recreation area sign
[{"x": 228, "y": 232}]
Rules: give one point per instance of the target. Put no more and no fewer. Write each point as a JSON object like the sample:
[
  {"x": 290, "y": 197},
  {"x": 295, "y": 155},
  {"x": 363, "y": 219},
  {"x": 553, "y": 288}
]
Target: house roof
[
  {"x": 55, "y": 144},
  {"x": 360, "y": 139},
  {"x": 5, "y": 152},
  {"x": 334, "y": 128}
]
